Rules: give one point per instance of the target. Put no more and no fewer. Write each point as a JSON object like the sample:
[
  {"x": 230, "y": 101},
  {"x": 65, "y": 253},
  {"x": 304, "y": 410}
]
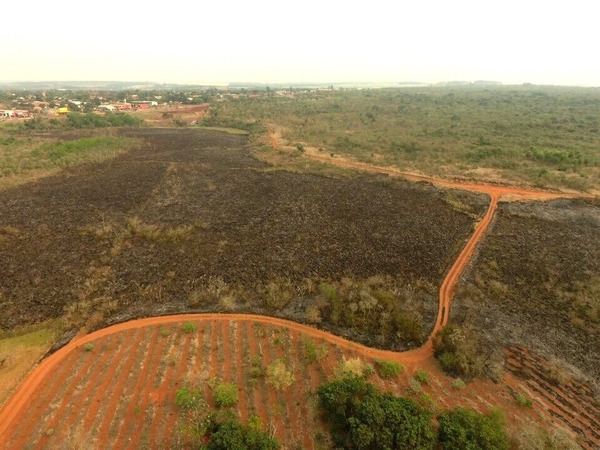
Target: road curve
[
  {"x": 492, "y": 190},
  {"x": 21, "y": 396}
]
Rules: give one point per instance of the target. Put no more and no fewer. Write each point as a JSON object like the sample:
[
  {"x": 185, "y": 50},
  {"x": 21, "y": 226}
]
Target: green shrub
[
  {"x": 7, "y": 140},
  {"x": 466, "y": 429},
  {"x": 414, "y": 386},
  {"x": 256, "y": 370},
  {"x": 188, "y": 398},
  {"x": 312, "y": 352},
  {"x": 88, "y": 347},
  {"x": 189, "y": 327},
  {"x": 388, "y": 369},
  {"x": 421, "y": 376},
  {"x": 458, "y": 384},
  {"x": 164, "y": 332},
  {"x": 226, "y": 394},
  {"x": 233, "y": 435}
]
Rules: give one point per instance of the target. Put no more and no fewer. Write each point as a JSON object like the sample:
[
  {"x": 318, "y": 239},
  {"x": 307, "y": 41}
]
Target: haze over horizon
[{"x": 267, "y": 42}]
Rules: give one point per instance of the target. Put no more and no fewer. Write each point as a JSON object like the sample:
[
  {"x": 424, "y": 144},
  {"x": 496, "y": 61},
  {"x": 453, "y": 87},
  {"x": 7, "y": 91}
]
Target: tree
[{"x": 362, "y": 418}]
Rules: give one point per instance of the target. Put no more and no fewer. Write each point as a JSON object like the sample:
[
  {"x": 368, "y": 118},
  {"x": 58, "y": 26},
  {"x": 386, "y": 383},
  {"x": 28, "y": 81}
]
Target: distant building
[{"x": 139, "y": 103}]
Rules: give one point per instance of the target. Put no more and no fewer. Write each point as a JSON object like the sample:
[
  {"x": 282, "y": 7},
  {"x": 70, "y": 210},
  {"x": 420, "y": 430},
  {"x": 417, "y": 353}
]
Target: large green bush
[
  {"x": 233, "y": 435},
  {"x": 466, "y": 429},
  {"x": 362, "y": 418}
]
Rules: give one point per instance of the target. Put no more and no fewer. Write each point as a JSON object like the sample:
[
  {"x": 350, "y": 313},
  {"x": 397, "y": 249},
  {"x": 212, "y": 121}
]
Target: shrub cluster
[
  {"x": 372, "y": 309},
  {"x": 219, "y": 430},
  {"x": 360, "y": 417},
  {"x": 458, "y": 351},
  {"x": 232, "y": 434},
  {"x": 388, "y": 369}
]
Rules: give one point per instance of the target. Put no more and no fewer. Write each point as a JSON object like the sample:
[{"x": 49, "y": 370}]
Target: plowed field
[{"x": 121, "y": 394}]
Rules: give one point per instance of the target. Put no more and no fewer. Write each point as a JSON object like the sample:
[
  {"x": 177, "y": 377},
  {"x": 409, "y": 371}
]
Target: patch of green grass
[
  {"x": 388, "y": 369},
  {"x": 522, "y": 400},
  {"x": 189, "y": 327},
  {"x": 39, "y": 334},
  {"x": 23, "y": 155}
]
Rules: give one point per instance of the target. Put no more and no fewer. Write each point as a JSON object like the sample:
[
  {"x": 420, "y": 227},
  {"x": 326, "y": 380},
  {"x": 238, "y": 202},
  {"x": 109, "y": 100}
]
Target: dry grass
[
  {"x": 530, "y": 437},
  {"x": 354, "y": 366},
  {"x": 279, "y": 375}
]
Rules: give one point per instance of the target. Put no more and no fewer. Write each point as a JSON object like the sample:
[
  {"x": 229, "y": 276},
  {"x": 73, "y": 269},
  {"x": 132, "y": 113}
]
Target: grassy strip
[
  {"x": 20, "y": 348},
  {"x": 18, "y": 156},
  {"x": 234, "y": 131}
]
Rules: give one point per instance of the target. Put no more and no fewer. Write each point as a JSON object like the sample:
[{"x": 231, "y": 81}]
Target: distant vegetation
[
  {"x": 79, "y": 121},
  {"x": 539, "y": 136}
]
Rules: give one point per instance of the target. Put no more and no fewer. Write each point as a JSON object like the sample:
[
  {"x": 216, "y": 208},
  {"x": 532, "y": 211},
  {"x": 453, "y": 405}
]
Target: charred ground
[
  {"x": 190, "y": 221},
  {"x": 536, "y": 282}
]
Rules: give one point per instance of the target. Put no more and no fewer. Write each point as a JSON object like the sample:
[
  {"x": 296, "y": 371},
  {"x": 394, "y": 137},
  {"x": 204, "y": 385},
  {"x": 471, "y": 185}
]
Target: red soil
[{"x": 289, "y": 411}]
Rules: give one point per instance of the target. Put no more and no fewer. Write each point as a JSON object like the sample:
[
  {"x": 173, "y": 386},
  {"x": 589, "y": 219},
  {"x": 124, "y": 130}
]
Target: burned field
[
  {"x": 191, "y": 222},
  {"x": 536, "y": 283}
]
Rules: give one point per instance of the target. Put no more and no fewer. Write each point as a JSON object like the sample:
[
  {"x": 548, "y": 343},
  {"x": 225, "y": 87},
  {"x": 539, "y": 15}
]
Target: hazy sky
[{"x": 554, "y": 42}]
